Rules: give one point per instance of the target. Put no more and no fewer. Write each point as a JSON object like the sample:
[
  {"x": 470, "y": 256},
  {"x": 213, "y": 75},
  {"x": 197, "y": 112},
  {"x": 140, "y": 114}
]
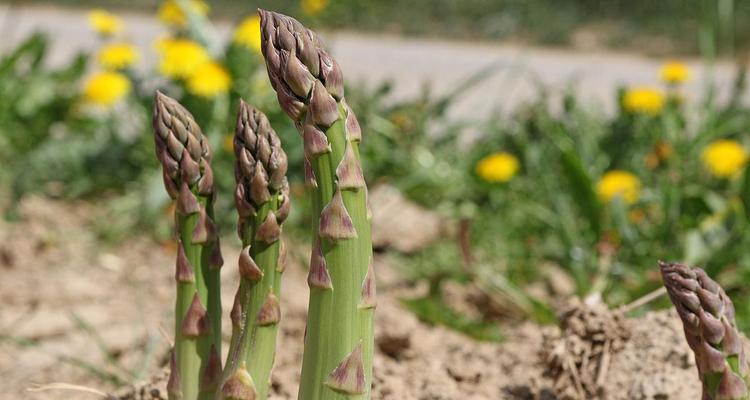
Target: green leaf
[
  {"x": 499, "y": 287},
  {"x": 745, "y": 191},
  {"x": 622, "y": 223},
  {"x": 582, "y": 189},
  {"x": 433, "y": 310},
  {"x": 28, "y": 55}
]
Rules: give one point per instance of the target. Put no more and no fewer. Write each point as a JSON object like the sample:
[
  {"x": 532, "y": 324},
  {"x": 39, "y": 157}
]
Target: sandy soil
[{"x": 73, "y": 310}]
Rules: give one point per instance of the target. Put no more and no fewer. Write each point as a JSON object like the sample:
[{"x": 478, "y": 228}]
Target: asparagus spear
[
  {"x": 707, "y": 316},
  {"x": 337, "y": 362},
  {"x": 186, "y": 167},
  {"x": 262, "y": 200}
]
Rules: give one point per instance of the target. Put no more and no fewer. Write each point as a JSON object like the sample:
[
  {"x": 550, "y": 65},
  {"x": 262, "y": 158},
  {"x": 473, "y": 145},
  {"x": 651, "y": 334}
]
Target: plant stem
[
  {"x": 707, "y": 316},
  {"x": 185, "y": 156},
  {"x": 337, "y": 361},
  {"x": 262, "y": 199}
]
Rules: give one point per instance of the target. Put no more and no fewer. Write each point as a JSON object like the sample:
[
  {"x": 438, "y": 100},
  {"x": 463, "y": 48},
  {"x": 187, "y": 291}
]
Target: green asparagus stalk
[
  {"x": 707, "y": 316},
  {"x": 186, "y": 167},
  {"x": 263, "y": 203},
  {"x": 337, "y": 361}
]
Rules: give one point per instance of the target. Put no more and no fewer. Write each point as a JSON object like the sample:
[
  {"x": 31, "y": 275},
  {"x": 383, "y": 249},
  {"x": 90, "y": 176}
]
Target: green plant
[
  {"x": 707, "y": 316},
  {"x": 186, "y": 161},
  {"x": 59, "y": 142},
  {"x": 263, "y": 203},
  {"x": 341, "y": 277},
  {"x": 559, "y": 208},
  {"x": 337, "y": 362},
  {"x": 615, "y": 23}
]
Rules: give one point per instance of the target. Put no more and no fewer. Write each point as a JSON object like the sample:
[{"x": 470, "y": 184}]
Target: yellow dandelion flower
[
  {"x": 117, "y": 56},
  {"x": 248, "y": 33},
  {"x": 228, "y": 143},
  {"x": 674, "y": 72},
  {"x": 724, "y": 158},
  {"x": 161, "y": 44},
  {"x": 172, "y": 14},
  {"x": 618, "y": 183},
  {"x": 180, "y": 57},
  {"x": 106, "y": 88},
  {"x": 104, "y": 23},
  {"x": 313, "y": 7},
  {"x": 497, "y": 167},
  {"x": 643, "y": 100},
  {"x": 209, "y": 80}
]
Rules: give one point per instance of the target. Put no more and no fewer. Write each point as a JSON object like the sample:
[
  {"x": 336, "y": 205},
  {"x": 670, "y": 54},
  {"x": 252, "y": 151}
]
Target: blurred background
[{"x": 519, "y": 152}]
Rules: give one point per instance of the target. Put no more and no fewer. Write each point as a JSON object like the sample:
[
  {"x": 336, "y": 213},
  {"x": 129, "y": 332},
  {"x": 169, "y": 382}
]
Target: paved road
[{"x": 410, "y": 63}]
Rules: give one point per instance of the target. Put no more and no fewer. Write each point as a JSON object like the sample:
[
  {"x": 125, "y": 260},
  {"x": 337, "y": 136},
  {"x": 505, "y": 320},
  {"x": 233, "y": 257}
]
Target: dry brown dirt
[{"x": 73, "y": 310}]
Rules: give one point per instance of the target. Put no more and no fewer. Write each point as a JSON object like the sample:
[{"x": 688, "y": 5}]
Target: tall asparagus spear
[
  {"x": 707, "y": 316},
  {"x": 262, "y": 200},
  {"x": 337, "y": 362},
  {"x": 186, "y": 160}
]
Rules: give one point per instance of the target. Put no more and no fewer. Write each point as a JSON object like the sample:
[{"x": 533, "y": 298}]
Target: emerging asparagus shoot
[
  {"x": 186, "y": 160},
  {"x": 707, "y": 316},
  {"x": 337, "y": 361},
  {"x": 262, "y": 201}
]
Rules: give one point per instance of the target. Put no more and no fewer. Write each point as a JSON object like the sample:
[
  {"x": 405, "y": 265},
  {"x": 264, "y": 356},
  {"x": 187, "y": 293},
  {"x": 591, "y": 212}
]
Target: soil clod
[{"x": 578, "y": 356}]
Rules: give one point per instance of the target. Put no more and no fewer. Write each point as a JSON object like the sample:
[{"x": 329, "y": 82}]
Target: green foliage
[
  {"x": 614, "y": 23},
  {"x": 31, "y": 102},
  {"x": 413, "y": 144},
  {"x": 57, "y": 144},
  {"x": 549, "y": 212},
  {"x": 431, "y": 309},
  {"x": 33, "y": 96}
]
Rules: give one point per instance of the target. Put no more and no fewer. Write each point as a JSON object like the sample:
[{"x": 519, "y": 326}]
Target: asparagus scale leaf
[
  {"x": 337, "y": 361},
  {"x": 708, "y": 319},
  {"x": 183, "y": 151},
  {"x": 262, "y": 201}
]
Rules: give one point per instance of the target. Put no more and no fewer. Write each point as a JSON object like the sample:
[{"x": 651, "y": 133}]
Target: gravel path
[{"x": 410, "y": 63}]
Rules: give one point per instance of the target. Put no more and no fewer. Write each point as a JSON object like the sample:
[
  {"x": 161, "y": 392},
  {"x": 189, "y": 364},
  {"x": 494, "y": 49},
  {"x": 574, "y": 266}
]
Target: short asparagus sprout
[
  {"x": 337, "y": 361},
  {"x": 262, "y": 201},
  {"x": 186, "y": 160},
  {"x": 707, "y": 316}
]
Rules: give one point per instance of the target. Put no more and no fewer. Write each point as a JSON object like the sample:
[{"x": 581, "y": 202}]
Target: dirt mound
[
  {"x": 577, "y": 355},
  {"x": 75, "y": 311},
  {"x": 600, "y": 354}
]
